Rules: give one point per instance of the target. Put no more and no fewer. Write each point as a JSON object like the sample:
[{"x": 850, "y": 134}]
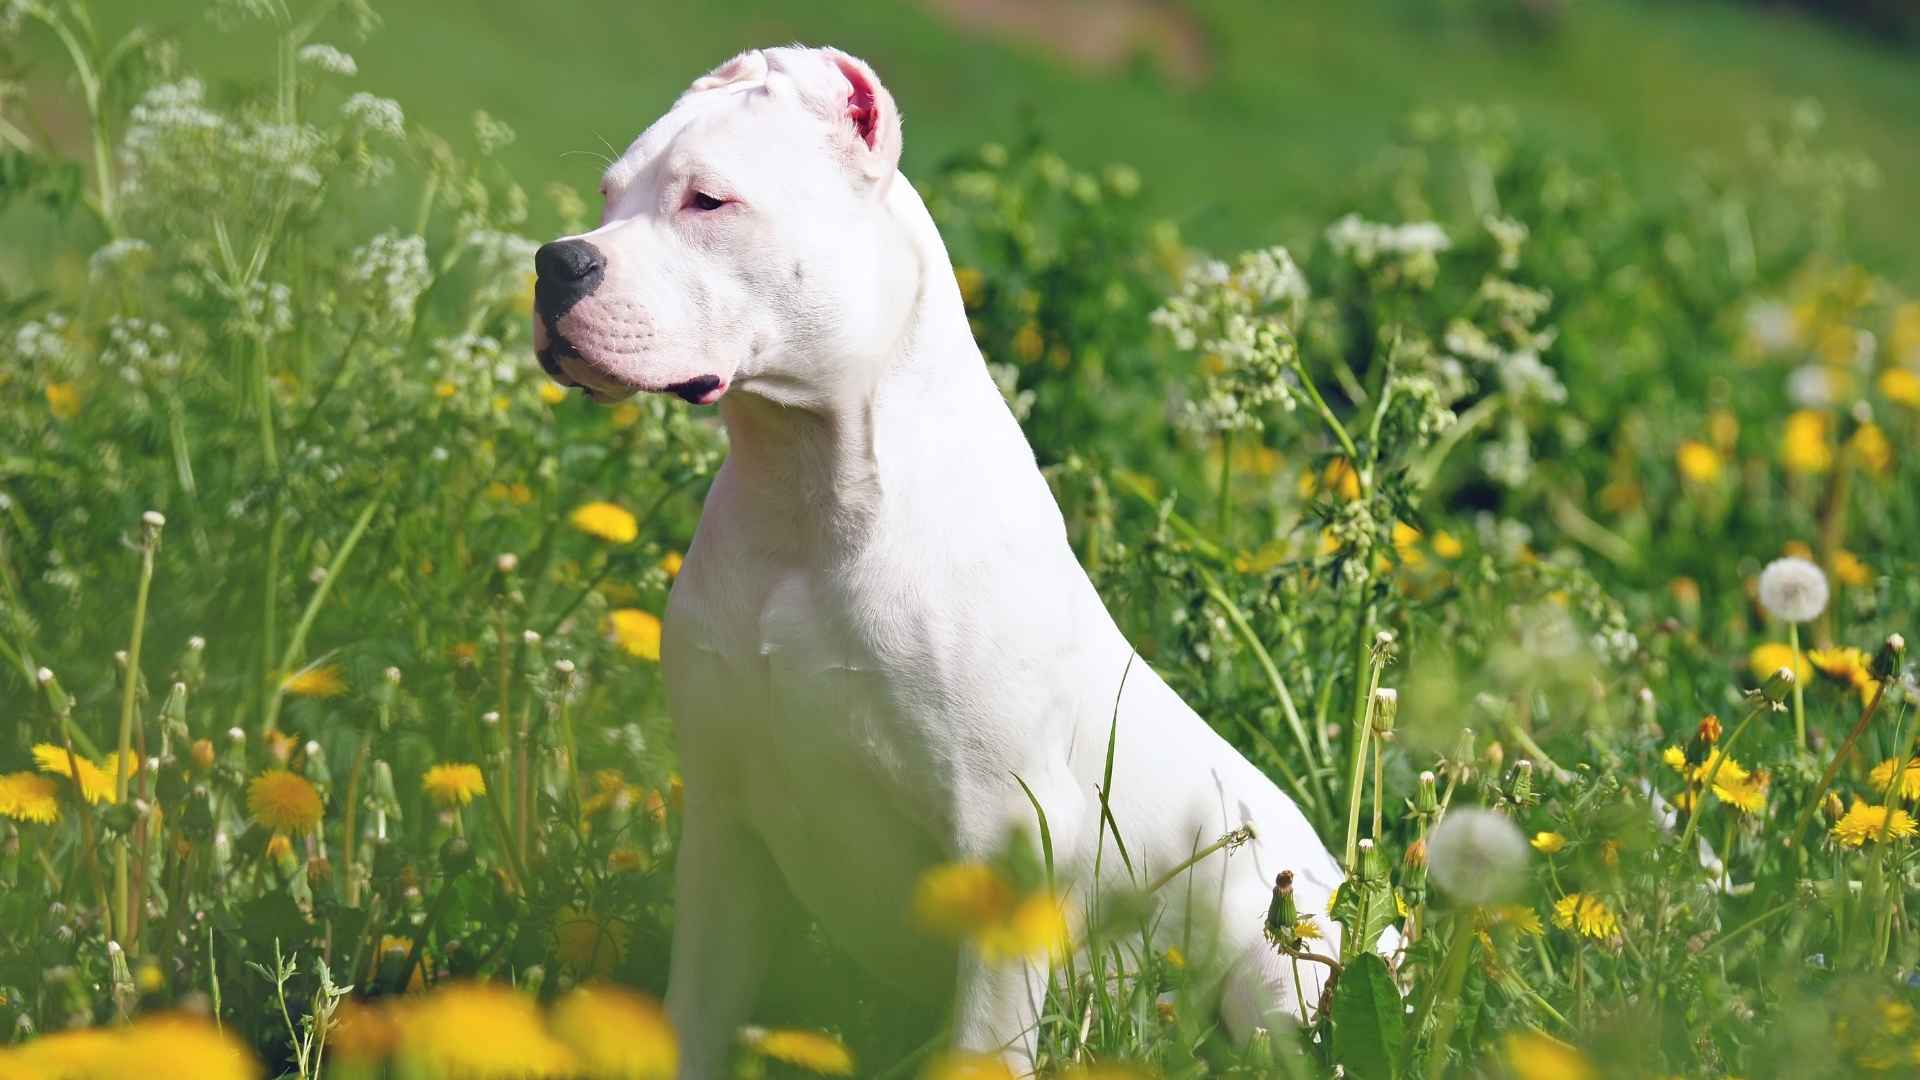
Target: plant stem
[
  {"x": 124, "y": 759},
  {"x": 1238, "y": 620},
  {"x": 1799, "y": 698},
  {"x": 1444, "y": 1002},
  {"x": 298, "y": 641},
  {"x": 1833, "y": 767}
]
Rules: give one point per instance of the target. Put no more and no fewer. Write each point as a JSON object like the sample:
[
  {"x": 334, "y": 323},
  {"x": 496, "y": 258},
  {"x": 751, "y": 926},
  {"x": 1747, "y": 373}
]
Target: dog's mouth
[{"x": 566, "y": 365}]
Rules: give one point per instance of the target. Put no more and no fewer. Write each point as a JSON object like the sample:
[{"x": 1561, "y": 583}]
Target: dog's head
[{"x": 744, "y": 241}]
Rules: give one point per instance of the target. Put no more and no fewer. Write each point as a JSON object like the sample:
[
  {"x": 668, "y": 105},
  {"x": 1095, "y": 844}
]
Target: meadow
[{"x": 1543, "y": 517}]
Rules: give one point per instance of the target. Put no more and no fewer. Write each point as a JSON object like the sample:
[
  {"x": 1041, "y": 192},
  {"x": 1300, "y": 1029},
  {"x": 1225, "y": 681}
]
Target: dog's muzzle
[{"x": 567, "y": 272}]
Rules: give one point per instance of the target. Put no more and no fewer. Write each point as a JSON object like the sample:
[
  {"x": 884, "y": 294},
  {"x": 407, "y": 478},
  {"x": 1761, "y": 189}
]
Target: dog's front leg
[
  {"x": 723, "y": 898},
  {"x": 997, "y": 1008}
]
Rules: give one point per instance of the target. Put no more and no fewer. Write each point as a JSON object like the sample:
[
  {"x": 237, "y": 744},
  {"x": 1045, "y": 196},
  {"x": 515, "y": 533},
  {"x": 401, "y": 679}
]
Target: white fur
[{"x": 880, "y": 623}]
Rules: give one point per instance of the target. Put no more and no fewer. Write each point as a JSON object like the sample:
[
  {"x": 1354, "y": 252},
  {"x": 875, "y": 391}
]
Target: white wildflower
[
  {"x": 328, "y": 59},
  {"x": 1810, "y": 386},
  {"x": 43, "y": 341},
  {"x": 376, "y": 114},
  {"x": 117, "y": 254},
  {"x": 1770, "y": 324},
  {"x": 393, "y": 268},
  {"x": 1793, "y": 589},
  {"x": 1477, "y": 856}
]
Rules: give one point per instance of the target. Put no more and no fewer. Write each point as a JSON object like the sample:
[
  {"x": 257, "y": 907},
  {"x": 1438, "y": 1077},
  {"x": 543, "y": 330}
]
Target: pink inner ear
[{"x": 861, "y": 108}]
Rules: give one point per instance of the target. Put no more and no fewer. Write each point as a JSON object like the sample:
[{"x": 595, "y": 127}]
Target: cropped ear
[
  {"x": 749, "y": 66},
  {"x": 870, "y": 117}
]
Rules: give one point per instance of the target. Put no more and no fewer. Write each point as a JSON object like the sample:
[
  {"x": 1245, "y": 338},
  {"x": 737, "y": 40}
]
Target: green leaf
[{"x": 1367, "y": 1020}]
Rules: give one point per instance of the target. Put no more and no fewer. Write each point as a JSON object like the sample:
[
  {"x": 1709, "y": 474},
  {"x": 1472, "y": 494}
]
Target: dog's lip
[{"x": 565, "y": 366}]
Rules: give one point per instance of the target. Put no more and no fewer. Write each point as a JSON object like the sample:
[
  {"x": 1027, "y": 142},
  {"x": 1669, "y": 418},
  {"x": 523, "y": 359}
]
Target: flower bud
[
  {"x": 1283, "y": 914},
  {"x": 1522, "y": 791},
  {"x": 1778, "y": 687},
  {"x": 1386, "y": 707},
  {"x": 506, "y": 562},
  {"x": 1416, "y": 854},
  {"x": 1831, "y": 808},
  {"x": 1426, "y": 798},
  {"x": 1709, "y": 730},
  {"x": 1886, "y": 661},
  {"x": 1373, "y": 861}
]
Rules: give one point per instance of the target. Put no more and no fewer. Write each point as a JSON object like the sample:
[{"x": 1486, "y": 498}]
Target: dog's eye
[{"x": 700, "y": 200}]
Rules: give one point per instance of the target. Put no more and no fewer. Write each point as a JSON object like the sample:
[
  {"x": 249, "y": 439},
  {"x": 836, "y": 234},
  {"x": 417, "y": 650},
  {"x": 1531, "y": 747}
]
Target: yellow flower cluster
[
  {"x": 976, "y": 902},
  {"x": 814, "y": 1051},
  {"x": 1733, "y": 784},
  {"x": 164, "y": 1047},
  {"x": 284, "y": 801},
  {"x": 1882, "y": 777},
  {"x": 595, "y": 1031},
  {"x": 27, "y": 797},
  {"x": 1586, "y": 915},
  {"x": 1846, "y": 664},
  {"x": 605, "y": 521},
  {"x": 1864, "y": 824},
  {"x": 95, "y": 780},
  {"x": 453, "y": 783},
  {"x": 636, "y": 632}
]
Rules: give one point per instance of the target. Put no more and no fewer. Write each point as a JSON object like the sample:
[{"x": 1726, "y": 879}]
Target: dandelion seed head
[
  {"x": 1477, "y": 856},
  {"x": 1793, "y": 590}
]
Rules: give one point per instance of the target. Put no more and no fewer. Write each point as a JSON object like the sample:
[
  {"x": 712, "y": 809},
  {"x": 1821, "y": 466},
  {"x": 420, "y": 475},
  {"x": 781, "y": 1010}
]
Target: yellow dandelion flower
[
  {"x": 279, "y": 846},
  {"x": 95, "y": 780},
  {"x": 437, "y": 1035},
  {"x": 1533, "y": 1056},
  {"x": 1518, "y": 917},
  {"x": 1176, "y": 958},
  {"x": 617, "y": 1033},
  {"x": 1871, "y": 448},
  {"x": 25, "y": 796},
  {"x": 1880, "y": 777},
  {"x": 1747, "y": 794},
  {"x": 606, "y": 521},
  {"x": 1770, "y": 657},
  {"x": 315, "y": 682},
  {"x": 1548, "y": 843},
  {"x": 957, "y": 1066},
  {"x": 285, "y": 801},
  {"x": 1698, "y": 462},
  {"x": 63, "y": 401},
  {"x": 1585, "y": 914},
  {"x": 671, "y": 563},
  {"x": 362, "y": 1035},
  {"x": 958, "y": 899},
  {"x": 1848, "y": 569},
  {"x": 1863, "y": 824},
  {"x": 454, "y": 783},
  {"x": 1841, "y": 663},
  {"x": 1675, "y": 758},
  {"x": 552, "y": 393},
  {"x": 625, "y": 415},
  {"x": 1306, "y": 929},
  {"x": 1899, "y": 385},
  {"x": 1805, "y": 444},
  {"x": 1036, "y": 927},
  {"x": 444, "y": 389},
  {"x": 588, "y": 943},
  {"x": 636, "y": 631},
  {"x": 814, "y": 1051}
]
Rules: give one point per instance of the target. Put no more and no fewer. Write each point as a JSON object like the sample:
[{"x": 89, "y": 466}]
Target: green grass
[{"x": 1302, "y": 96}]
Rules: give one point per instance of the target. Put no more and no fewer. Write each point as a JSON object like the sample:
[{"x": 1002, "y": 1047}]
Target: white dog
[{"x": 880, "y": 623}]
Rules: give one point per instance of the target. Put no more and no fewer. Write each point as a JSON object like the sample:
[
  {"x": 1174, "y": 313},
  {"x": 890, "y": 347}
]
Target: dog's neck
[{"x": 814, "y": 461}]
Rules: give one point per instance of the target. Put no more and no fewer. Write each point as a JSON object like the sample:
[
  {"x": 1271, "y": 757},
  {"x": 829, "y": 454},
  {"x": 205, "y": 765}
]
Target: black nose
[{"x": 569, "y": 271}]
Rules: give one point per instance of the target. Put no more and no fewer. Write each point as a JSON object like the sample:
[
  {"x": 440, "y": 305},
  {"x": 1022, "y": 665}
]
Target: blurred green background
[{"x": 1246, "y": 117}]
